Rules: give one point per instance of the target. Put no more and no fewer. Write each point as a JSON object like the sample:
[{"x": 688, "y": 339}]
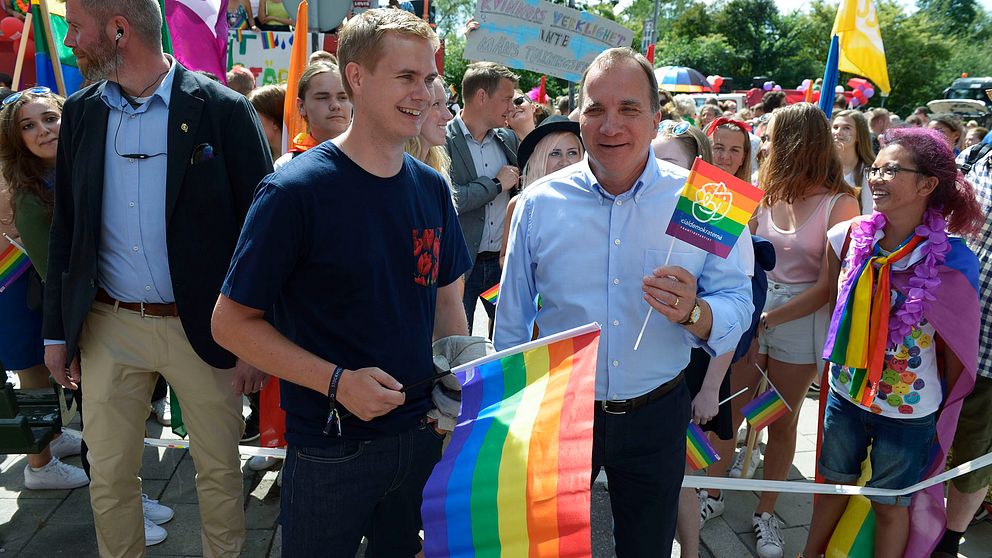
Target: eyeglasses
[
  {"x": 674, "y": 128},
  {"x": 521, "y": 100},
  {"x": 37, "y": 90},
  {"x": 889, "y": 172}
]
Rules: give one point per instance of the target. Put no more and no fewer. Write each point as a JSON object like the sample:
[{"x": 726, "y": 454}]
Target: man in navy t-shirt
[{"x": 357, "y": 249}]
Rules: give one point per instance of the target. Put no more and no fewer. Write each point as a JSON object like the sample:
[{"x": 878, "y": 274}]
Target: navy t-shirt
[{"x": 350, "y": 264}]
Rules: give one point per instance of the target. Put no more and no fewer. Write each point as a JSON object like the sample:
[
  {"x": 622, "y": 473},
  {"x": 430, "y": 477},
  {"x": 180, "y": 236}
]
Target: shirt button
[
  {"x": 133, "y": 116},
  {"x": 616, "y": 363},
  {"x": 130, "y": 204},
  {"x": 617, "y": 242},
  {"x": 134, "y": 248},
  {"x": 148, "y": 287},
  {"x": 616, "y": 322},
  {"x": 619, "y": 202},
  {"x": 616, "y": 281}
]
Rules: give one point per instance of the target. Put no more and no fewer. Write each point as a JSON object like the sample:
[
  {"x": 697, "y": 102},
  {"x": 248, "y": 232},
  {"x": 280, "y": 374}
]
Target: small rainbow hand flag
[
  {"x": 14, "y": 262},
  {"x": 699, "y": 452},
  {"x": 714, "y": 209},
  {"x": 514, "y": 481},
  {"x": 269, "y": 40},
  {"x": 491, "y": 294},
  {"x": 764, "y": 409}
]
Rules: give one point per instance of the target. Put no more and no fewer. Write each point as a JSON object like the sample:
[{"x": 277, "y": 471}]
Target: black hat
[{"x": 549, "y": 125}]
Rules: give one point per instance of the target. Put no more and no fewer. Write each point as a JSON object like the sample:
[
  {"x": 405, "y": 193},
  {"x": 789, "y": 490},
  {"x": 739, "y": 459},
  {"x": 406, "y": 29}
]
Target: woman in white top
[{"x": 852, "y": 138}]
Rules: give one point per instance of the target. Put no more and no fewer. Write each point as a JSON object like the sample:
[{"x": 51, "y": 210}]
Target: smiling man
[
  {"x": 357, "y": 248},
  {"x": 590, "y": 241}
]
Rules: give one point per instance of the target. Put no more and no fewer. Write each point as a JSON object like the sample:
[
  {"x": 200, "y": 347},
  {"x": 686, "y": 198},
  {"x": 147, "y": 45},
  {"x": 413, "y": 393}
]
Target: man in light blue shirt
[{"x": 590, "y": 241}]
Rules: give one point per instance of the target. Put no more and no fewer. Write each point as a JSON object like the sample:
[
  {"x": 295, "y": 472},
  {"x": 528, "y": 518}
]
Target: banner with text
[
  {"x": 542, "y": 37},
  {"x": 265, "y": 53}
]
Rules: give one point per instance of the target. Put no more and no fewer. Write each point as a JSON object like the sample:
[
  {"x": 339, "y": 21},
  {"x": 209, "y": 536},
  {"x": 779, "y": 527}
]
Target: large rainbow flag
[
  {"x": 955, "y": 316},
  {"x": 43, "y": 55},
  {"x": 514, "y": 480},
  {"x": 713, "y": 209}
]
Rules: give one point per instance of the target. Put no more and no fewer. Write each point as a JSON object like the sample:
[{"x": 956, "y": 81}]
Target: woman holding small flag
[{"x": 903, "y": 341}]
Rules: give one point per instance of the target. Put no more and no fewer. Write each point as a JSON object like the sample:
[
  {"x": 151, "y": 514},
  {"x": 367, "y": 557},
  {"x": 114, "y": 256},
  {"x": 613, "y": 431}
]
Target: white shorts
[{"x": 799, "y": 341}]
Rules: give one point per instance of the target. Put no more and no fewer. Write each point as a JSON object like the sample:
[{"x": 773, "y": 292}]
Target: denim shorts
[{"x": 900, "y": 448}]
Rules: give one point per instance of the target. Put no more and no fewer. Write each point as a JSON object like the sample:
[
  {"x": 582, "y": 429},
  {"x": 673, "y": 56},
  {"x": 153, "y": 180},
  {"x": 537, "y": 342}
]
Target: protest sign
[
  {"x": 542, "y": 37},
  {"x": 265, "y": 53}
]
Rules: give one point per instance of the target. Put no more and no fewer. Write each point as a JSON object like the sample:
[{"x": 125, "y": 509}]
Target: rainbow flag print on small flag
[
  {"x": 713, "y": 209},
  {"x": 764, "y": 409},
  {"x": 699, "y": 452},
  {"x": 514, "y": 481},
  {"x": 491, "y": 294},
  {"x": 14, "y": 262},
  {"x": 269, "y": 40}
]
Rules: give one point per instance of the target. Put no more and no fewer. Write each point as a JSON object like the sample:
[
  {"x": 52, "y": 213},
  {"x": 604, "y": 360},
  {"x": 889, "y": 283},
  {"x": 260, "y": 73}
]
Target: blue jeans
[
  {"x": 900, "y": 448},
  {"x": 485, "y": 273},
  {"x": 643, "y": 452},
  {"x": 332, "y": 496}
]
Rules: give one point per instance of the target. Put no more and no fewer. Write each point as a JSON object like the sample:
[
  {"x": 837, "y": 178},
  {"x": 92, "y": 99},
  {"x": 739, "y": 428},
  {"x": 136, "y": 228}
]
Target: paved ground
[{"x": 59, "y": 523}]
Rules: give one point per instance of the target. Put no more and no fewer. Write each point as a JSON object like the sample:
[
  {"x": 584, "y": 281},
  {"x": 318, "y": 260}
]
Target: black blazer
[{"x": 205, "y": 205}]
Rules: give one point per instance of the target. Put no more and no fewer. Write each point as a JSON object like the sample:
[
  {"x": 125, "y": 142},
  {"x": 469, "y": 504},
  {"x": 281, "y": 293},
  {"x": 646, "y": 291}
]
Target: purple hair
[{"x": 954, "y": 195}]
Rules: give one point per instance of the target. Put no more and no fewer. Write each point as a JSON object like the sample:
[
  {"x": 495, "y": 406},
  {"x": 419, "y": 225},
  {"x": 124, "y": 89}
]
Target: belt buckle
[
  {"x": 604, "y": 403},
  {"x": 141, "y": 307}
]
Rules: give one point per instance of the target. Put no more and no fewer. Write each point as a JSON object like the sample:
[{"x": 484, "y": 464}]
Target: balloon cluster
[
  {"x": 771, "y": 86},
  {"x": 11, "y": 29},
  {"x": 716, "y": 82},
  {"x": 862, "y": 90},
  {"x": 808, "y": 84}
]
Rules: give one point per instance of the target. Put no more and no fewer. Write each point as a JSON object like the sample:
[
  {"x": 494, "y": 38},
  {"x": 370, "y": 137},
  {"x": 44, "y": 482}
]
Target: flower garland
[{"x": 925, "y": 279}]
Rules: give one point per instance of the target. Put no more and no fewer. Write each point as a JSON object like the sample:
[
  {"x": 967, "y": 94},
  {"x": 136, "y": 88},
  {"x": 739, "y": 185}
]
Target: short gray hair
[
  {"x": 145, "y": 16},
  {"x": 615, "y": 56}
]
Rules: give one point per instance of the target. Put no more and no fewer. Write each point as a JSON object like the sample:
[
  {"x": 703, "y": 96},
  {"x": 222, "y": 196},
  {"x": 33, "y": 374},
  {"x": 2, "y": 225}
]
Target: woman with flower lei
[{"x": 903, "y": 341}]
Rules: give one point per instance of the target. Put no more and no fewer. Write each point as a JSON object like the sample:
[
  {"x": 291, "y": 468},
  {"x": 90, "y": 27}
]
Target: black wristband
[
  {"x": 499, "y": 185},
  {"x": 333, "y": 417}
]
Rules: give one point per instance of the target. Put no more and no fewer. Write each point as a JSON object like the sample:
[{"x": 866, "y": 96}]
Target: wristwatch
[
  {"x": 693, "y": 316},
  {"x": 499, "y": 185}
]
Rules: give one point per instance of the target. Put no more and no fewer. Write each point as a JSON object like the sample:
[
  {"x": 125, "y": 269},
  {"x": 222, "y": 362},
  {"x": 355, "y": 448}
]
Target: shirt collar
[
  {"x": 112, "y": 92},
  {"x": 468, "y": 135},
  {"x": 647, "y": 179}
]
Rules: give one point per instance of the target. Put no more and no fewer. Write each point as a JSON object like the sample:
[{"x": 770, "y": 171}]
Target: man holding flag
[{"x": 602, "y": 263}]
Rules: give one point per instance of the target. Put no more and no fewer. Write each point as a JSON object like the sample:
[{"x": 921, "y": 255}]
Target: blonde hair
[
  {"x": 802, "y": 156},
  {"x": 538, "y": 160},
  {"x": 437, "y": 156},
  {"x": 693, "y": 139},
  {"x": 862, "y": 144},
  {"x": 744, "y": 172},
  {"x": 361, "y": 39}
]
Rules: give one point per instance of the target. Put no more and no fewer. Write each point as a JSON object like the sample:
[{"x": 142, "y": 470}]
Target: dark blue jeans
[
  {"x": 485, "y": 273},
  {"x": 643, "y": 452},
  {"x": 332, "y": 496}
]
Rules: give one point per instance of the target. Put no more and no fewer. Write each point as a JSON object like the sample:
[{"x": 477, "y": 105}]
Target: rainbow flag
[
  {"x": 713, "y": 209},
  {"x": 43, "y": 56},
  {"x": 491, "y": 294},
  {"x": 269, "y": 40},
  {"x": 513, "y": 481},
  {"x": 14, "y": 262},
  {"x": 764, "y": 409},
  {"x": 699, "y": 452}
]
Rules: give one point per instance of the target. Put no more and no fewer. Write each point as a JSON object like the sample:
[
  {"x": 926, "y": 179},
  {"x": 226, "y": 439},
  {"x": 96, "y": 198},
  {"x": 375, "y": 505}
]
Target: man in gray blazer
[{"x": 483, "y": 173}]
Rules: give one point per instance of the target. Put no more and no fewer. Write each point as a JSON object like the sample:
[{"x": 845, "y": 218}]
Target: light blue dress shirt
[
  {"x": 586, "y": 253},
  {"x": 489, "y": 158},
  {"x": 133, "y": 258}
]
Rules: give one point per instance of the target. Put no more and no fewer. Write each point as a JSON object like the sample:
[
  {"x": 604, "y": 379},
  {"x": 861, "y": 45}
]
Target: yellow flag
[{"x": 861, "y": 50}]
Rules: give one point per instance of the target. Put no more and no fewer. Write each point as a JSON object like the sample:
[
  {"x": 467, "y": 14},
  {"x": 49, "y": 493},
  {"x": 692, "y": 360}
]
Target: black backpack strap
[{"x": 974, "y": 156}]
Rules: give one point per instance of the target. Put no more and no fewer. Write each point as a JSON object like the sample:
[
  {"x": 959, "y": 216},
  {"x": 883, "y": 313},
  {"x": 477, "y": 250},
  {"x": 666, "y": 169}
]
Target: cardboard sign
[
  {"x": 542, "y": 37},
  {"x": 265, "y": 53}
]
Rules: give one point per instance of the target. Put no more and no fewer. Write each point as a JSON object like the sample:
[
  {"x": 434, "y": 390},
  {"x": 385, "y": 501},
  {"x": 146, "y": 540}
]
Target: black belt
[
  {"x": 624, "y": 406},
  {"x": 487, "y": 256}
]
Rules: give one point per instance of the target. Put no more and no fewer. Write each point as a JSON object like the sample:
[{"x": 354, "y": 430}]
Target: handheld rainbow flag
[
  {"x": 513, "y": 481},
  {"x": 14, "y": 262},
  {"x": 764, "y": 409},
  {"x": 491, "y": 294},
  {"x": 699, "y": 452},
  {"x": 714, "y": 209},
  {"x": 269, "y": 40}
]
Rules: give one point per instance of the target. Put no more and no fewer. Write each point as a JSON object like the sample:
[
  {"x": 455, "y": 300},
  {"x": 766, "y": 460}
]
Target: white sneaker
[
  {"x": 261, "y": 463},
  {"x": 738, "y": 466},
  {"x": 68, "y": 444},
  {"x": 162, "y": 410},
  {"x": 709, "y": 507},
  {"x": 742, "y": 436},
  {"x": 54, "y": 476},
  {"x": 153, "y": 533},
  {"x": 155, "y": 512},
  {"x": 768, "y": 535}
]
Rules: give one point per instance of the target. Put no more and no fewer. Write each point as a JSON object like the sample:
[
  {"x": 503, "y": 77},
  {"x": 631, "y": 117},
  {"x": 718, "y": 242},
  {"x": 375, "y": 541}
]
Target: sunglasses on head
[
  {"x": 38, "y": 90},
  {"x": 674, "y": 128},
  {"x": 521, "y": 100}
]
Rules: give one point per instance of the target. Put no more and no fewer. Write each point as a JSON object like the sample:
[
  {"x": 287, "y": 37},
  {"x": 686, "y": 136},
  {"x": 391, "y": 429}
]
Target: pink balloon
[
  {"x": 777, "y": 87},
  {"x": 11, "y": 27}
]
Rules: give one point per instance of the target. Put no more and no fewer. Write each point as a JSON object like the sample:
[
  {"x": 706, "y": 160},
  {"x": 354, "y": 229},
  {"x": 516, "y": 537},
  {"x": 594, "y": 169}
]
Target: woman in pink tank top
[{"x": 805, "y": 194}]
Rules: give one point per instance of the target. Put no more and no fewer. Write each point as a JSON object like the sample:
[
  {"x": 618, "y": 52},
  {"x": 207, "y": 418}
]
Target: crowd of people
[{"x": 175, "y": 237}]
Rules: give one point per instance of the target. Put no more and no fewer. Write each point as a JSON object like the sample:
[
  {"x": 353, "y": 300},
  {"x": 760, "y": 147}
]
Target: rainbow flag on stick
[
  {"x": 14, "y": 262},
  {"x": 514, "y": 481},
  {"x": 491, "y": 294},
  {"x": 699, "y": 452},
  {"x": 714, "y": 209},
  {"x": 764, "y": 409}
]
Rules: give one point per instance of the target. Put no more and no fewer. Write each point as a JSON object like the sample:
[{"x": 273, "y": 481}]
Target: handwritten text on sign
[{"x": 540, "y": 36}]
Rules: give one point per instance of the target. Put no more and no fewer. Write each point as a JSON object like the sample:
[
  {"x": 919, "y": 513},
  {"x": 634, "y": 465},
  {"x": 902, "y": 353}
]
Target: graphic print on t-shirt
[{"x": 426, "y": 249}]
